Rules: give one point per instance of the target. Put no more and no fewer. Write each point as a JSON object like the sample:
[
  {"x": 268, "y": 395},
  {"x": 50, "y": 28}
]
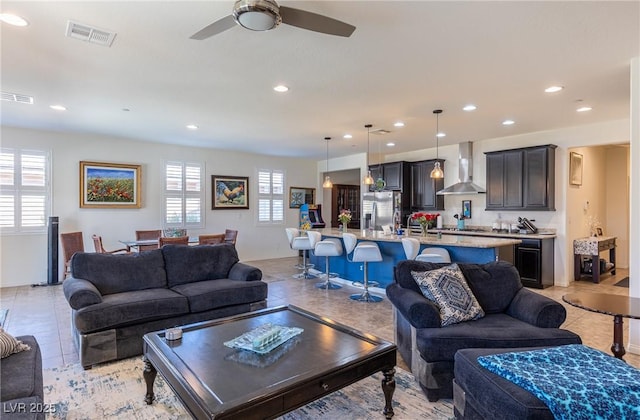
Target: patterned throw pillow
[
  {"x": 9, "y": 345},
  {"x": 448, "y": 289}
]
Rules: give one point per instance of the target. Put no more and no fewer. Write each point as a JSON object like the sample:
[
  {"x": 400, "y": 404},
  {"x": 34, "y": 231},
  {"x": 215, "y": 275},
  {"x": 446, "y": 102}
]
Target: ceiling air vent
[
  {"x": 381, "y": 132},
  {"x": 16, "y": 97},
  {"x": 90, "y": 34}
]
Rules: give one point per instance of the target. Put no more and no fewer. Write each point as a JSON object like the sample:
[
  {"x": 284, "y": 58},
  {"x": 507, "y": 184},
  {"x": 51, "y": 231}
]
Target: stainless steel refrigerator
[{"x": 381, "y": 208}]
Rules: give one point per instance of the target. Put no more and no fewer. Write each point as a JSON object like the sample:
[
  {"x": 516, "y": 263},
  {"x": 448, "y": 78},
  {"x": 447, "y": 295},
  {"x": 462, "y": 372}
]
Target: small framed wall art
[
  {"x": 229, "y": 192},
  {"x": 110, "y": 185},
  {"x": 300, "y": 195},
  {"x": 575, "y": 168},
  {"x": 466, "y": 209}
]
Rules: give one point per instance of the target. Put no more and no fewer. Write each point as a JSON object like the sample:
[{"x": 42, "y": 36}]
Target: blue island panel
[{"x": 392, "y": 253}]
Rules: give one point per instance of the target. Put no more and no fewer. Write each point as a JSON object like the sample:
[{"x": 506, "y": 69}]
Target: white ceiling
[{"x": 405, "y": 59}]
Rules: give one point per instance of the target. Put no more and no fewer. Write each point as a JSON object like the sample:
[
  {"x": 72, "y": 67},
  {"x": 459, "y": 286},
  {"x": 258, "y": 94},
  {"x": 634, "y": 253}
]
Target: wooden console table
[{"x": 592, "y": 246}]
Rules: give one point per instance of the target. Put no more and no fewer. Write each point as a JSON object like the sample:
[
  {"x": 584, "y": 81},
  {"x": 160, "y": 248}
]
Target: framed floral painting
[{"x": 110, "y": 185}]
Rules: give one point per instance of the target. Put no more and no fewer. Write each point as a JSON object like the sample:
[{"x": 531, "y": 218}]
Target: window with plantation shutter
[
  {"x": 184, "y": 195},
  {"x": 270, "y": 196},
  {"x": 25, "y": 191}
]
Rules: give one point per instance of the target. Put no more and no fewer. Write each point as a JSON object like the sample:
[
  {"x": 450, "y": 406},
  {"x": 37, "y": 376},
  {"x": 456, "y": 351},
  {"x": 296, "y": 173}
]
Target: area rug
[
  {"x": 623, "y": 283},
  {"x": 116, "y": 390}
]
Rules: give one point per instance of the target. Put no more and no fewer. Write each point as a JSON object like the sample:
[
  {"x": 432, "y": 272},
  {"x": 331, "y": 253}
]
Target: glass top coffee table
[
  {"x": 616, "y": 305},
  {"x": 215, "y": 381}
]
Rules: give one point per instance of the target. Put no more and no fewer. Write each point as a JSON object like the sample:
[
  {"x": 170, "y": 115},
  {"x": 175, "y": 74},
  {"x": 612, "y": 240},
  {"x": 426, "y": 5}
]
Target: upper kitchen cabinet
[
  {"x": 395, "y": 174},
  {"x": 521, "y": 179},
  {"x": 424, "y": 188}
]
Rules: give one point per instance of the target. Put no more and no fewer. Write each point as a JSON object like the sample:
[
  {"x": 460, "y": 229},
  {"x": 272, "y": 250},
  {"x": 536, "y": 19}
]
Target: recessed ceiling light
[
  {"x": 553, "y": 89},
  {"x": 347, "y": 136},
  {"x": 584, "y": 109},
  {"x": 398, "y": 124},
  {"x": 192, "y": 127},
  {"x": 280, "y": 88},
  {"x": 508, "y": 122},
  {"x": 441, "y": 134},
  {"x": 469, "y": 107},
  {"x": 58, "y": 107},
  {"x": 391, "y": 144},
  {"x": 13, "y": 19}
]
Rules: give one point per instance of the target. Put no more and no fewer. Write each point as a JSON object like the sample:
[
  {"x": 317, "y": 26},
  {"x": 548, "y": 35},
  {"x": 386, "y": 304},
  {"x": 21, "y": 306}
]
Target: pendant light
[
  {"x": 437, "y": 172},
  {"x": 327, "y": 179},
  {"x": 368, "y": 180}
]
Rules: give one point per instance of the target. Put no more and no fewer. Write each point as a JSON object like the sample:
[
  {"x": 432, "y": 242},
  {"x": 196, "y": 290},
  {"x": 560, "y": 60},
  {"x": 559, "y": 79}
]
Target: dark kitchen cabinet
[
  {"x": 346, "y": 197},
  {"x": 424, "y": 188},
  {"x": 521, "y": 179},
  {"x": 395, "y": 175},
  {"x": 534, "y": 260}
]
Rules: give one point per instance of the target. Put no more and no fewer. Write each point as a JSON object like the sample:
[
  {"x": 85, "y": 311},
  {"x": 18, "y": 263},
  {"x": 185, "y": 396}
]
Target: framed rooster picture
[{"x": 229, "y": 192}]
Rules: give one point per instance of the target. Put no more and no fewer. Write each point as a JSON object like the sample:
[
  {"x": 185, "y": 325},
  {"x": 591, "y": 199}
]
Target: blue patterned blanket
[{"x": 575, "y": 381}]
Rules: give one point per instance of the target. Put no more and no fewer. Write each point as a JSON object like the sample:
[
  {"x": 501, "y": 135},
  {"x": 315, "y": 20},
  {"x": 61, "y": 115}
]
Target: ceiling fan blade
[
  {"x": 315, "y": 22},
  {"x": 215, "y": 28}
]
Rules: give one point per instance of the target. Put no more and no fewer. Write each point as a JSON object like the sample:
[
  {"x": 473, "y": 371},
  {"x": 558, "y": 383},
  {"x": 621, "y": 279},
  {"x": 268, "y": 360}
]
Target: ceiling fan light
[
  {"x": 437, "y": 172},
  {"x": 257, "y": 15}
]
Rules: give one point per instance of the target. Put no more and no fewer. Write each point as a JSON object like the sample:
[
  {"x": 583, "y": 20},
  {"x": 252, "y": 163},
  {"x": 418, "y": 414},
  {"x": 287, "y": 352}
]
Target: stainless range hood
[{"x": 465, "y": 183}]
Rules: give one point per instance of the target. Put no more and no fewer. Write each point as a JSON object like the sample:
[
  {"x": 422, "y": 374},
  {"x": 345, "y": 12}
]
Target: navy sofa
[
  {"x": 116, "y": 299},
  {"x": 21, "y": 387},
  {"x": 514, "y": 317}
]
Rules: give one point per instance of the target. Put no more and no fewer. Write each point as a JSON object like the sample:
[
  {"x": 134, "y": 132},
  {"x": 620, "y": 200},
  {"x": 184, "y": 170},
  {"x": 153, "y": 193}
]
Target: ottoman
[{"x": 480, "y": 394}]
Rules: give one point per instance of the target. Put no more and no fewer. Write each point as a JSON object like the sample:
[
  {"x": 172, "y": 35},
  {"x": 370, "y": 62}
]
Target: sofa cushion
[
  {"x": 212, "y": 294},
  {"x": 198, "y": 263},
  {"x": 120, "y": 273},
  {"x": 492, "y": 331},
  {"x": 447, "y": 287},
  {"x": 22, "y": 372},
  {"x": 121, "y": 309},
  {"x": 10, "y": 345}
]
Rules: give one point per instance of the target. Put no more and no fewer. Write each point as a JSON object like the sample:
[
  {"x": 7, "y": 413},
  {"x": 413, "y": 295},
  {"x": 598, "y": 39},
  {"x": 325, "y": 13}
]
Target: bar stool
[
  {"x": 434, "y": 254},
  {"x": 411, "y": 247},
  {"x": 329, "y": 247},
  {"x": 364, "y": 252},
  {"x": 301, "y": 243}
]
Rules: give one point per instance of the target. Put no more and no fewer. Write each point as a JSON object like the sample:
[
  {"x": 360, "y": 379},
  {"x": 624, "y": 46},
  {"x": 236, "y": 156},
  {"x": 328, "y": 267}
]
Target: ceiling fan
[{"x": 263, "y": 15}]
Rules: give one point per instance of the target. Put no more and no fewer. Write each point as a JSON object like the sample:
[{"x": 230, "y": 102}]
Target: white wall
[
  {"x": 23, "y": 258},
  {"x": 634, "y": 208}
]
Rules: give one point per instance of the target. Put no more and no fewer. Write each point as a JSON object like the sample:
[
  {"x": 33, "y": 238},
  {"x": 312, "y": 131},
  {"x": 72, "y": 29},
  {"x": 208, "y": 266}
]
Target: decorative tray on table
[{"x": 264, "y": 338}]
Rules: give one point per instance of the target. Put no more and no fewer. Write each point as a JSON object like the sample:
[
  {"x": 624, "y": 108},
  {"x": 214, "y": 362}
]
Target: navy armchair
[{"x": 514, "y": 317}]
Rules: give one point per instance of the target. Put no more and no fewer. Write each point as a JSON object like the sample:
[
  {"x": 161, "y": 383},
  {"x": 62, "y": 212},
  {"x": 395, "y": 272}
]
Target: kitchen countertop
[
  {"x": 451, "y": 238},
  {"x": 541, "y": 234}
]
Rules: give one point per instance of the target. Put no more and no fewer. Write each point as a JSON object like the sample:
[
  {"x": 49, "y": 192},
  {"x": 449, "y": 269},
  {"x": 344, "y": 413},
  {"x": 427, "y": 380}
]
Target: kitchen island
[{"x": 463, "y": 249}]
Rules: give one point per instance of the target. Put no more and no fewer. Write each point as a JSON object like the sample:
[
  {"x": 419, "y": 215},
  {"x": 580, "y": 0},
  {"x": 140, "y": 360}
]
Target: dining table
[{"x": 137, "y": 243}]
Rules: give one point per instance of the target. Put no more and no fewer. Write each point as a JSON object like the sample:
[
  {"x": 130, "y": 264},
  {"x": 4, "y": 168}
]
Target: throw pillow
[
  {"x": 9, "y": 345},
  {"x": 448, "y": 289}
]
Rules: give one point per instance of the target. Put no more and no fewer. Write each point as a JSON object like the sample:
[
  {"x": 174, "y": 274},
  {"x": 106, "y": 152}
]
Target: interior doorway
[{"x": 348, "y": 178}]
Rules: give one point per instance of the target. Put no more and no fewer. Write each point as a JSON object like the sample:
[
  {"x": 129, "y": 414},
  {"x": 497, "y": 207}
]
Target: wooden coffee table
[
  {"x": 216, "y": 382},
  {"x": 616, "y": 305}
]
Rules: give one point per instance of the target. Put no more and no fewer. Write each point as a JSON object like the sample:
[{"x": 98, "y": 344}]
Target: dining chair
[
  {"x": 178, "y": 240},
  {"x": 230, "y": 236},
  {"x": 97, "y": 243},
  {"x": 148, "y": 235},
  {"x": 72, "y": 242},
  {"x": 217, "y": 238}
]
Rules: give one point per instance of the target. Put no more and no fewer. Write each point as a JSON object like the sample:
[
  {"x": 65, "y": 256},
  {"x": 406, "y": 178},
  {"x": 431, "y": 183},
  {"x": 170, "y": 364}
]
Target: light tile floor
[{"x": 44, "y": 313}]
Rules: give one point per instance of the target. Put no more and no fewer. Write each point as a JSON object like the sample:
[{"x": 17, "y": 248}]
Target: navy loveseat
[
  {"x": 116, "y": 299},
  {"x": 514, "y": 317}
]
